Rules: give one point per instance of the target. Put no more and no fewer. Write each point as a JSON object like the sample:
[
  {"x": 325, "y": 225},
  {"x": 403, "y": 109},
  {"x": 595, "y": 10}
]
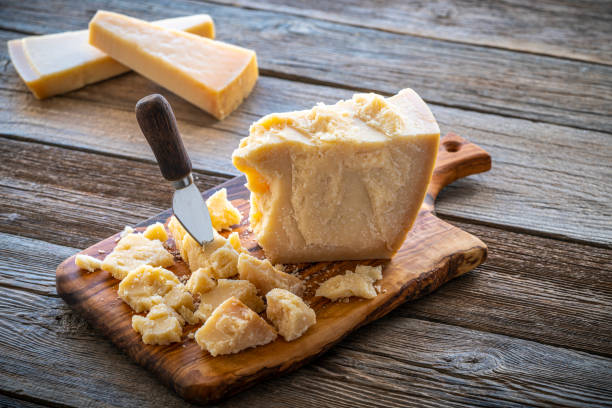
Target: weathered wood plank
[
  {"x": 532, "y": 185},
  {"x": 7, "y": 401},
  {"x": 406, "y": 358},
  {"x": 576, "y": 30},
  {"x": 491, "y": 80},
  {"x": 76, "y": 198}
]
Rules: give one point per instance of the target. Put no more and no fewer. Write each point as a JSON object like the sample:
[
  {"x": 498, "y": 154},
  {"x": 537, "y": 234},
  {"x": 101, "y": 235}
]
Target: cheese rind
[
  {"x": 266, "y": 277},
  {"x": 58, "y": 63},
  {"x": 290, "y": 315},
  {"x": 233, "y": 327},
  {"x": 134, "y": 250},
  {"x": 161, "y": 326},
  {"x": 212, "y": 75},
  {"x": 222, "y": 213},
  {"x": 338, "y": 182},
  {"x": 359, "y": 283},
  {"x": 242, "y": 290},
  {"x": 89, "y": 263}
]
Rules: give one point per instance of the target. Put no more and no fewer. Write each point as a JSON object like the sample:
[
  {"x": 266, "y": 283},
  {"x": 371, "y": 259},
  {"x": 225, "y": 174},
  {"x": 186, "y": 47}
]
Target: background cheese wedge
[
  {"x": 212, "y": 75},
  {"x": 58, "y": 63}
]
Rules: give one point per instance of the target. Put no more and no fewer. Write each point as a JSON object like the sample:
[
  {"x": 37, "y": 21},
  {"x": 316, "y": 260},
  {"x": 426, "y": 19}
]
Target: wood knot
[{"x": 471, "y": 362}]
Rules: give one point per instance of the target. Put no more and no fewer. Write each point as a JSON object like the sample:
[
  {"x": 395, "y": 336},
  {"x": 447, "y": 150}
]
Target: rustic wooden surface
[
  {"x": 433, "y": 253},
  {"x": 528, "y": 81}
]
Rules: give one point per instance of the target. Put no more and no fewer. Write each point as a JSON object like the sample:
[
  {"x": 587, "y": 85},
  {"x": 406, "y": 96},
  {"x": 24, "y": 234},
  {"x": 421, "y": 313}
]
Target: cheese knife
[{"x": 158, "y": 125}]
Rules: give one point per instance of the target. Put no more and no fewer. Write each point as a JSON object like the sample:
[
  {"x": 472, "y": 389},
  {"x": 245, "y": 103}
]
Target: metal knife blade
[{"x": 190, "y": 209}]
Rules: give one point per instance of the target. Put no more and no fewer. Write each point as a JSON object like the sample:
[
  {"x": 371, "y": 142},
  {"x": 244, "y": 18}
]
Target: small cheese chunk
[
  {"x": 57, "y": 63},
  {"x": 219, "y": 254},
  {"x": 226, "y": 288},
  {"x": 233, "y": 327},
  {"x": 290, "y": 315},
  {"x": 212, "y": 75},
  {"x": 266, "y": 277},
  {"x": 156, "y": 231},
  {"x": 147, "y": 286},
  {"x": 339, "y": 182},
  {"x": 162, "y": 325},
  {"x": 201, "y": 281},
  {"x": 89, "y": 263},
  {"x": 360, "y": 284},
  {"x": 134, "y": 250},
  {"x": 222, "y": 213},
  {"x": 234, "y": 240}
]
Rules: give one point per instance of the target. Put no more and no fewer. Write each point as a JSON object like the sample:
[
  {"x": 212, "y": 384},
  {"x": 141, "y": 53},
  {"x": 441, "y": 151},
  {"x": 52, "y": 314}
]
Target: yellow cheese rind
[
  {"x": 212, "y": 75},
  {"x": 233, "y": 327},
  {"x": 58, "y": 63},
  {"x": 161, "y": 326},
  {"x": 266, "y": 277},
  {"x": 156, "y": 231},
  {"x": 359, "y": 284},
  {"x": 242, "y": 290},
  {"x": 89, "y": 263},
  {"x": 339, "y": 182},
  {"x": 222, "y": 213},
  {"x": 134, "y": 250},
  {"x": 289, "y": 314}
]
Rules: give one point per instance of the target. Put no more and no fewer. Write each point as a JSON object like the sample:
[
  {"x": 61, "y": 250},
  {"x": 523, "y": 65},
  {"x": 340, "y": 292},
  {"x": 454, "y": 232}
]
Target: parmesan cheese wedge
[
  {"x": 212, "y": 75},
  {"x": 58, "y": 63},
  {"x": 339, "y": 182}
]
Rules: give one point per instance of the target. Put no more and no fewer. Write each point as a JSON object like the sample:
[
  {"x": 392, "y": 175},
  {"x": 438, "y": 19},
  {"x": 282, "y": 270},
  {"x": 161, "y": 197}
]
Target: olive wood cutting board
[{"x": 433, "y": 253}]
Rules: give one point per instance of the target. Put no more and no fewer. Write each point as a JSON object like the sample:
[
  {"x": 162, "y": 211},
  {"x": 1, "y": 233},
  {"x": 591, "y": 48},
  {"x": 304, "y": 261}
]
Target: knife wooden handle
[{"x": 158, "y": 126}]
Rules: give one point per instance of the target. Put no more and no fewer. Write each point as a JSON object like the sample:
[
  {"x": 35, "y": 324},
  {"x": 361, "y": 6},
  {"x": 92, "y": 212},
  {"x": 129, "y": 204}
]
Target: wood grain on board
[
  {"x": 433, "y": 253},
  {"x": 403, "y": 355},
  {"x": 536, "y": 87},
  {"x": 550, "y": 27}
]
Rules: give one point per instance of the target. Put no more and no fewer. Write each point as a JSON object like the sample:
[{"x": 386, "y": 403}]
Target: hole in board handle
[{"x": 452, "y": 146}]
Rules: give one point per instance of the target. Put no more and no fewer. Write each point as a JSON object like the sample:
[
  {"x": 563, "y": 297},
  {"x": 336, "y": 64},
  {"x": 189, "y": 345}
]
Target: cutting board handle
[{"x": 457, "y": 158}]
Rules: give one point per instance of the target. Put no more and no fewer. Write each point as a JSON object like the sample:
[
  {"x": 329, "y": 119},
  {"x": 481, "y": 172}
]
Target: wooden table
[{"x": 530, "y": 81}]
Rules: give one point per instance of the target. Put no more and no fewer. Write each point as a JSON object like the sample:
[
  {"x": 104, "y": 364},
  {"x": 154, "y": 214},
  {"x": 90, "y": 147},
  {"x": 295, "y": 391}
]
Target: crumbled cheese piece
[
  {"x": 234, "y": 240},
  {"x": 219, "y": 254},
  {"x": 89, "y": 263},
  {"x": 156, "y": 231},
  {"x": 147, "y": 286},
  {"x": 126, "y": 231},
  {"x": 242, "y": 290},
  {"x": 201, "y": 280},
  {"x": 134, "y": 250},
  {"x": 360, "y": 284},
  {"x": 290, "y": 315},
  {"x": 265, "y": 277},
  {"x": 222, "y": 213},
  {"x": 162, "y": 325},
  {"x": 233, "y": 327}
]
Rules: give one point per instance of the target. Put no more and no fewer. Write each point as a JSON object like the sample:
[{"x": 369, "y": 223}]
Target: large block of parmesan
[
  {"x": 339, "y": 182},
  {"x": 57, "y": 63},
  {"x": 212, "y": 75}
]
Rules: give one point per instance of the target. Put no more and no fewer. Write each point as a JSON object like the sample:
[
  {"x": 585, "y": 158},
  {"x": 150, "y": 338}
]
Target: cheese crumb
[
  {"x": 360, "y": 284},
  {"x": 265, "y": 277},
  {"x": 222, "y": 213},
  {"x": 233, "y": 327},
  {"x": 201, "y": 281},
  {"x": 242, "y": 290},
  {"x": 156, "y": 231},
  {"x": 126, "y": 231},
  {"x": 134, "y": 250},
  {"x": 290, "y": 315},
  {"x": 89, "y": 263},
  {"x": 162, "y": 325}
]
